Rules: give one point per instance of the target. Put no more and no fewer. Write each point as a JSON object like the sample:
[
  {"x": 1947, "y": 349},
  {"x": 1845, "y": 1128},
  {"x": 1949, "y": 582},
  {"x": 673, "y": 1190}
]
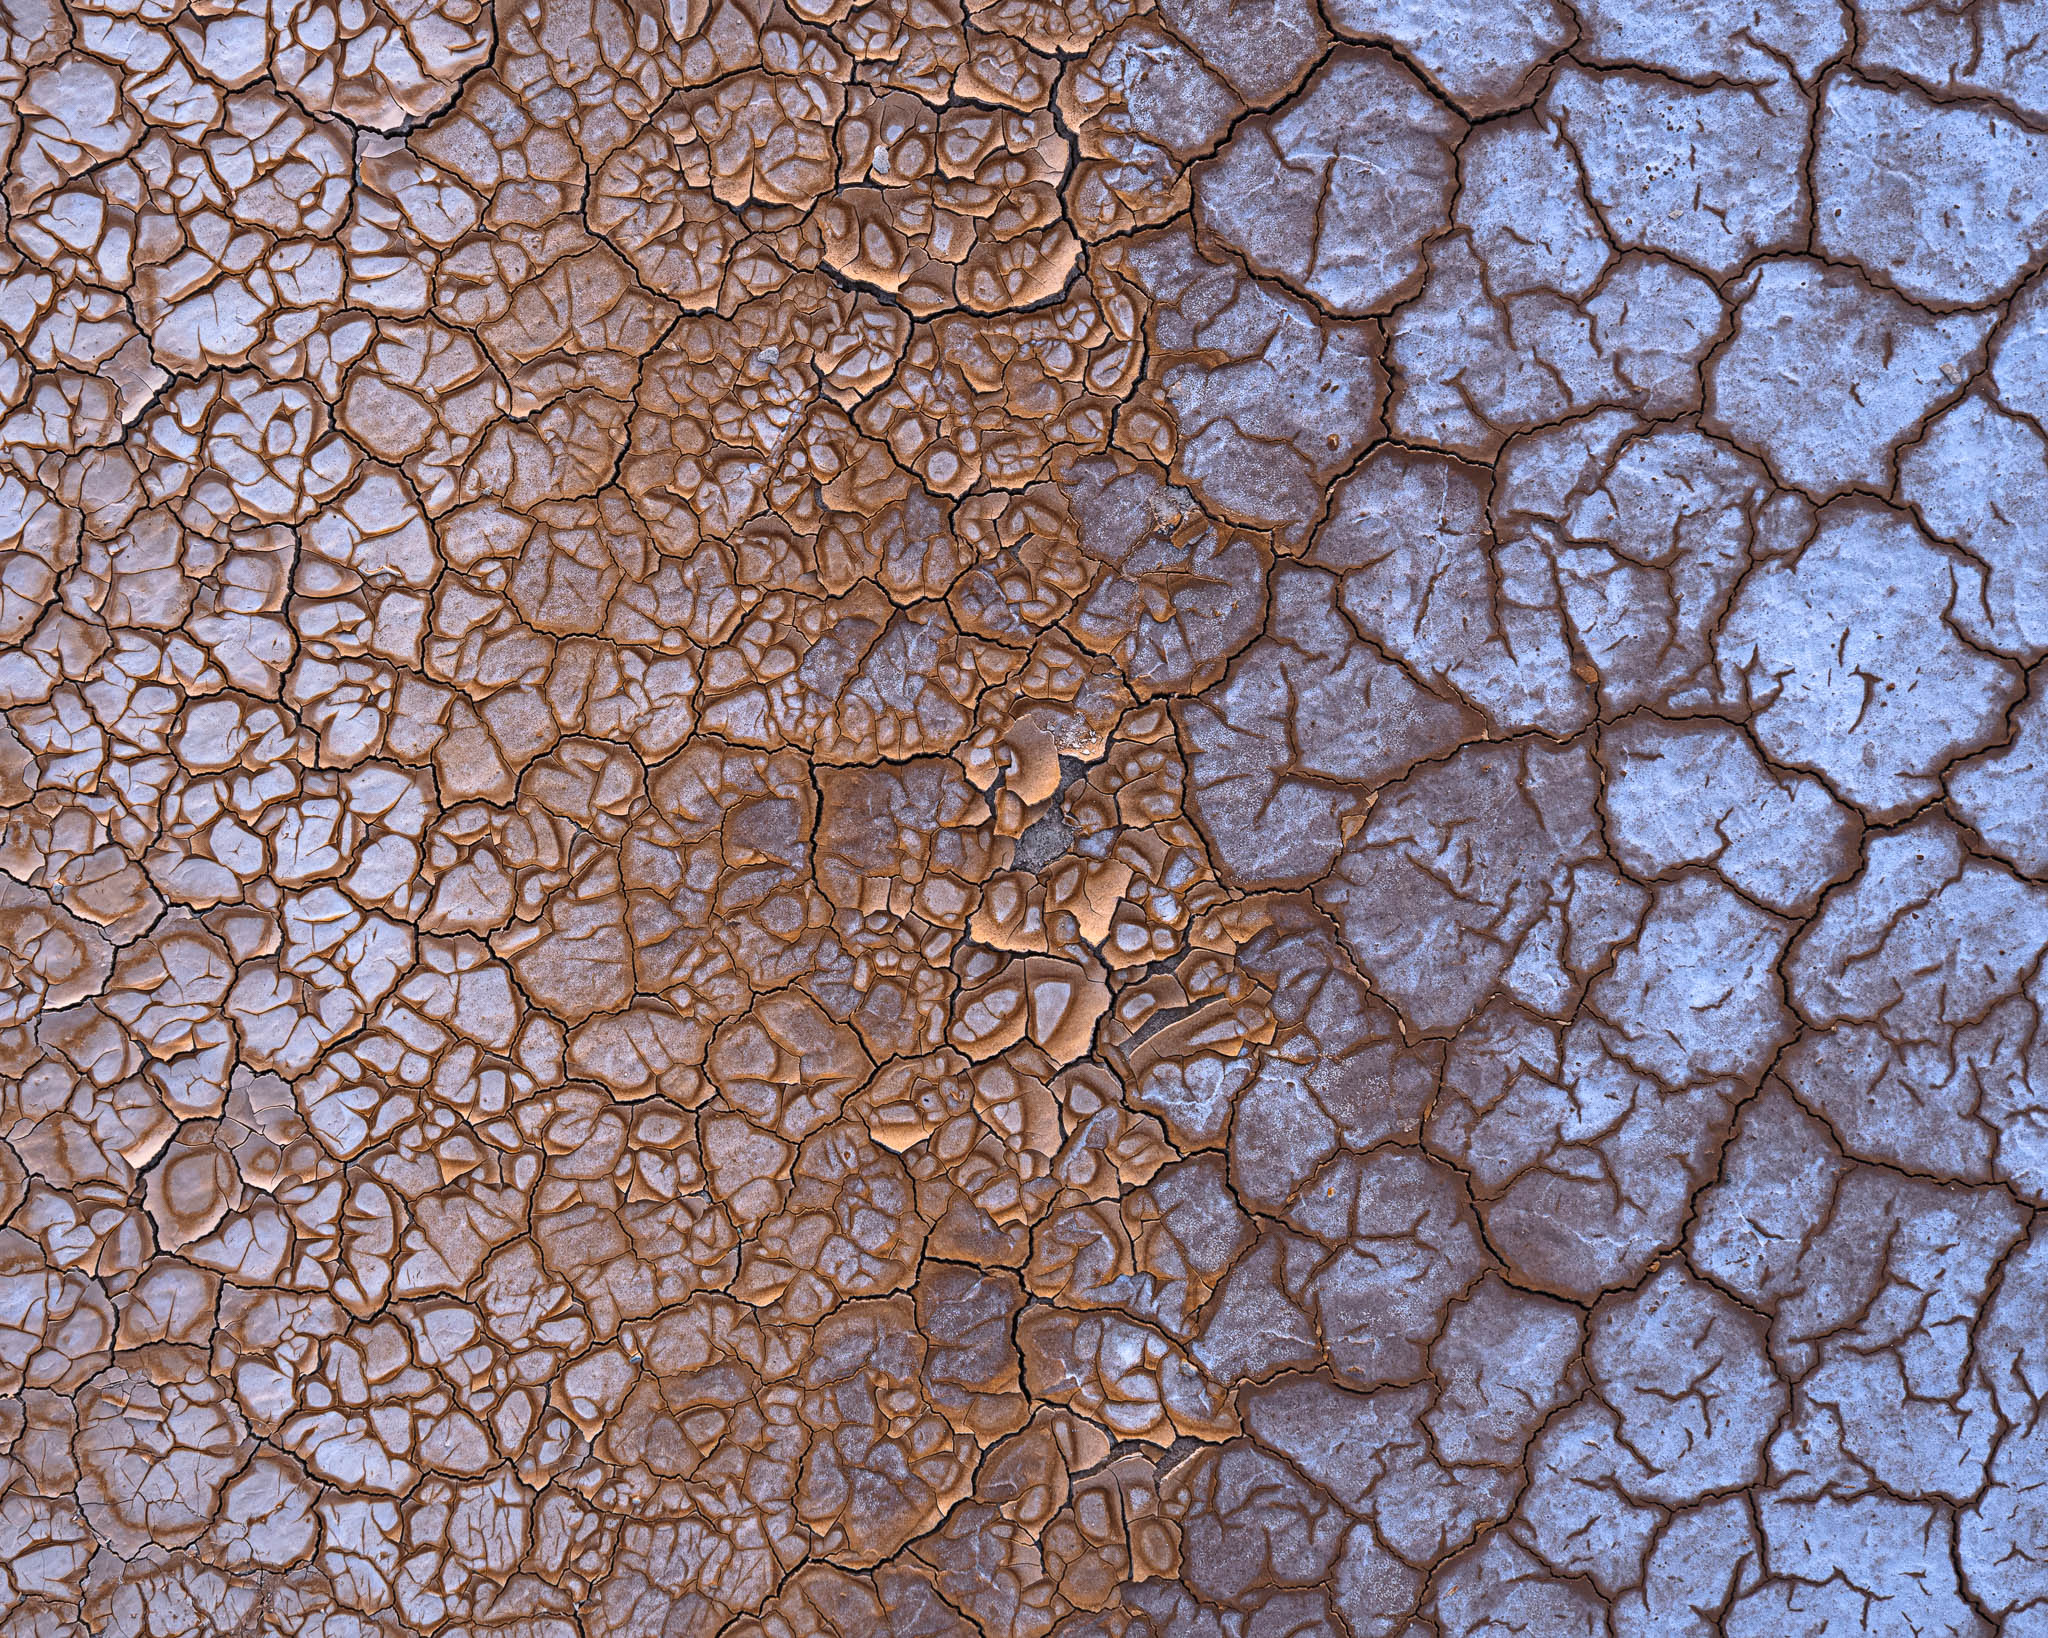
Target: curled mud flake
[
  {"x": 822, "y": 1601},
  {"x": 416, "y": 56},
  {"x": 967, "y": 213},
  {"x": 76, "y": 117}
]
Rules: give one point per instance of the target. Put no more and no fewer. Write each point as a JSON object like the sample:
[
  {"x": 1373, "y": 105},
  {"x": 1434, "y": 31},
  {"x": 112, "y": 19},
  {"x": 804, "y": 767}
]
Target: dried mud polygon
[{"x": 1039, "y": 819}]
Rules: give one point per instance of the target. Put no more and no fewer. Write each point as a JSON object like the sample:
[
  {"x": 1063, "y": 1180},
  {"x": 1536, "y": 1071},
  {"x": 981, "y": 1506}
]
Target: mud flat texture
[{"x": 1074, "y": 819}]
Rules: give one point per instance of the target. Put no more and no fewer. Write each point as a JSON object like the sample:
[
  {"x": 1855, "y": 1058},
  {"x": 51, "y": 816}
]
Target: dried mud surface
[{"x": 1106, "y": 818}]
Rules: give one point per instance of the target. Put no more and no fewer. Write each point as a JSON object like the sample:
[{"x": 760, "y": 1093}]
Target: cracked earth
[{"x": 1075, "y": 819}]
